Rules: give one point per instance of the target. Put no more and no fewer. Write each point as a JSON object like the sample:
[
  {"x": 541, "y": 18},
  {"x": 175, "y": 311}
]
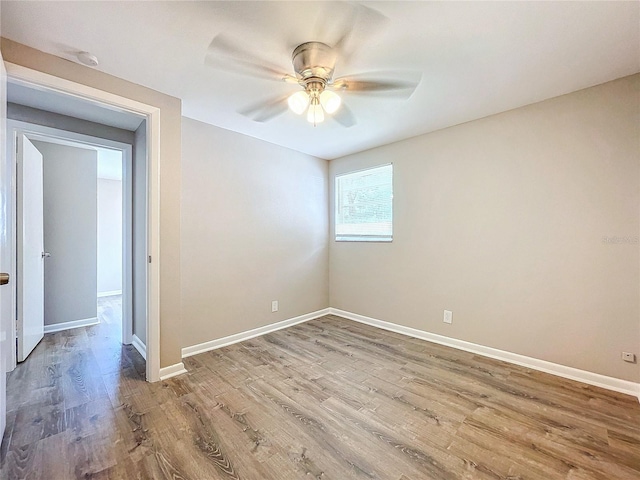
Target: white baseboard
[
  {"x": 596, "y": 379},
  {"x": 172, "y": 371},
  {"x": 256, "y": 332},
  {"x": 139, "y": 346},
  {"x": 109, "y": 294},
  {"x": 58, "y": 327}
]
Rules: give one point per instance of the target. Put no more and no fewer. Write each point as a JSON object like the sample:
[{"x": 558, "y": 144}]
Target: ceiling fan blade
[
  {"x": 345, "y": 116},
  {"x": 225, "y": 54},
  {"x": 375, "y": 83},
  {"x": 267, "y": 110},
  {"x": 358, "y": 26}
]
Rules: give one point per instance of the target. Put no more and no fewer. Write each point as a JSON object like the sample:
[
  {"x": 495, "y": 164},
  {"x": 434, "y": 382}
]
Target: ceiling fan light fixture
[
  {"x": 315, "y": 114},
  {"x": 298, "y": 102},
  {"x": 330, "y": 101}
]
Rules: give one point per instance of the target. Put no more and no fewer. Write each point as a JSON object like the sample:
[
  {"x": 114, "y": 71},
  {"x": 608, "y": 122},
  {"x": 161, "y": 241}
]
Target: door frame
[
  {"x": 76, "y": 140},
  {"x": 43, "y": 81}
]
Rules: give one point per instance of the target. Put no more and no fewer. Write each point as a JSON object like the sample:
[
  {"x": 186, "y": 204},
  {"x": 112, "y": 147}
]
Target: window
[{"x": 364, "y": 205}]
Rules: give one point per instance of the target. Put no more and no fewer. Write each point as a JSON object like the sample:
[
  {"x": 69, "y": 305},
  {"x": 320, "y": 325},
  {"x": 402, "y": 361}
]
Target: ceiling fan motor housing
[{"x": 314, "y": 61}]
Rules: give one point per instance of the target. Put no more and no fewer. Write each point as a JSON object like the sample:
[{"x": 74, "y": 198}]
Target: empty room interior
[{"x": 273, "y": 240}]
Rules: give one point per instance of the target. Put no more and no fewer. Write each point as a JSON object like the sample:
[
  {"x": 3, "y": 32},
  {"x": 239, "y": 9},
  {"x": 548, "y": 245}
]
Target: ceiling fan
[{"x": 314, "y": 64}]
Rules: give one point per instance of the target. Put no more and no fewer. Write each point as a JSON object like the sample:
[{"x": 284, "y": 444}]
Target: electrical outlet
[
  {"x": 629, "y": 357},
  {"x": 274, "y": 306},
  {"x": 448, "y": 316}
]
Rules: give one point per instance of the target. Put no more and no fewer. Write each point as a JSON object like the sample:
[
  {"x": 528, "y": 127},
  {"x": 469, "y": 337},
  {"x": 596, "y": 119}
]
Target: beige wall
[
  {"x": 502, "y": 220},
  {"x": 170, "y": 132},
  {"x": 254, "y": 229}
]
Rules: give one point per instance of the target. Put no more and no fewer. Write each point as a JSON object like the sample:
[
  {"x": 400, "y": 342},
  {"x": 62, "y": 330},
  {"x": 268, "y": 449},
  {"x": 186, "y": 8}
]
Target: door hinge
[{"x": 149, "y": 258}]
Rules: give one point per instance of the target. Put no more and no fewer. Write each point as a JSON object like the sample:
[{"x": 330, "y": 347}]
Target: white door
[
  {"x": 31, "y": 256},
  {"x": 6, "y": 257}
]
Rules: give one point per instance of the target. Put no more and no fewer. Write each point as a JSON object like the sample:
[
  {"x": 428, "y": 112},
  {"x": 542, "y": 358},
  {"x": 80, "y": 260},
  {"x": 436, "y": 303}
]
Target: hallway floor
[{"x": 65, "y": 391}]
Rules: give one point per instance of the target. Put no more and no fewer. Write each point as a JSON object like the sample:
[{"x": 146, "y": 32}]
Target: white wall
[
  {"x": 254, "y": 229},
  {"x": 109, "y": 236},
  {"x": 502, "y": 220},
  {"x": 70, "y": 232}
]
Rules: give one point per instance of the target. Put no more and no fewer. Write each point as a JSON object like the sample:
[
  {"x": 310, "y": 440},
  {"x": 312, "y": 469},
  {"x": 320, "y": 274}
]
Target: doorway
[
  {"x": 81, "y": 247},
  {"x": 147, "y": 173}
]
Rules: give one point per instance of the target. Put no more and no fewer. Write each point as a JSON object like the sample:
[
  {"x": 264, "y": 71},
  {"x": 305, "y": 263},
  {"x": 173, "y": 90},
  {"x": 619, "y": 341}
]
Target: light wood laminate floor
[{"x": 327, "y": 399}]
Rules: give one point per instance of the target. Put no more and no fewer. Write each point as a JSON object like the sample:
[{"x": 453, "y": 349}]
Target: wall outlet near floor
[
  {"x": 274, "y": 306},
  {"x": 448, "y": 316},
  {"x": 629, "y": 357}
]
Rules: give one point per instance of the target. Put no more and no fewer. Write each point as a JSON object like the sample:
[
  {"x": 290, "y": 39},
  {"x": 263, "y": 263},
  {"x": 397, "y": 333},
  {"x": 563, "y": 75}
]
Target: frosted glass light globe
[
  {"x": 330, "y": 101},
  {"x": 315, "y": 114},
  {"x": 298, "y": 102}
]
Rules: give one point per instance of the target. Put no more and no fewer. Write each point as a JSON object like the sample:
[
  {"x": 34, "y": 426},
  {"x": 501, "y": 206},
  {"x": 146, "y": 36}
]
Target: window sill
[{"x": 363, "y": 239}]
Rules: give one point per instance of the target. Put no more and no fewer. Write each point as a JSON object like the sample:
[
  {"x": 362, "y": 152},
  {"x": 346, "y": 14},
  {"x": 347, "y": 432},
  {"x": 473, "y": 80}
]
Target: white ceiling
[
  {"x": 51, "y": 101},
  {"x": 476, "y": 58}
]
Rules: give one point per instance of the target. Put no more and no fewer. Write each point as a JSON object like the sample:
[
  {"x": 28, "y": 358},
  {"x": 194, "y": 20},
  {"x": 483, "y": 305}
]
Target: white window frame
[{"x": 362, "y": 236}]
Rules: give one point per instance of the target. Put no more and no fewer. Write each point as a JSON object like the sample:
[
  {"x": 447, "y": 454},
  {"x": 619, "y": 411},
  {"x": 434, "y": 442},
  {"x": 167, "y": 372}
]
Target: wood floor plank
[
  {"x": 402, "y": 452},
  {"x": 326, "y": 399},
  {"x": 23, "y": 462},
  {"x": 8, "y": 432},
  {"x": 79, "y": 380},
  {"x": 35, "y": 422},
  {"x": 95, "y": 417},
  {"x": 329, "y": 445}
]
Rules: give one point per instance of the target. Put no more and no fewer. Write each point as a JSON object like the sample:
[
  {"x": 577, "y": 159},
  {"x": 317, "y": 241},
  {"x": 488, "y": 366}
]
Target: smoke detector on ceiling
[{"x": 87, "y": 59}]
